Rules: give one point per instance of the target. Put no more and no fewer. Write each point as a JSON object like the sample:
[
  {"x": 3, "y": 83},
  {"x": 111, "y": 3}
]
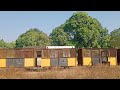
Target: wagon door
[
  {"x": 15, "y": 62},
  {"x": 18, "y": 62},
  {"x": 95, "y": 57},
  {"x": 38, "y": 58},
  {"x": 118, "y": 56},
  {"x": 54, "y": 58},
  {"x": 104, "y": 56},
  {"x": 63, "y": 57}
]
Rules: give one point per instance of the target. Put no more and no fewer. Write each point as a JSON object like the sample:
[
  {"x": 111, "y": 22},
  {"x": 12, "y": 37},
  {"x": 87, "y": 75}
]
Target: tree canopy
[
  {"x": 33, "y": 37},
  {"x": 59, "y": 37},
  {"x": 115, "y": 38},
  {"x": 4, "y": 44},
  {"x": 81, "y": 30}
]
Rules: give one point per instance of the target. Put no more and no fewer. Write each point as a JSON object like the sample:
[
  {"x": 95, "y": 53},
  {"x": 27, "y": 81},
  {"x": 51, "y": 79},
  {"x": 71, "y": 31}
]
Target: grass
[{"x": 94, "y": 72}]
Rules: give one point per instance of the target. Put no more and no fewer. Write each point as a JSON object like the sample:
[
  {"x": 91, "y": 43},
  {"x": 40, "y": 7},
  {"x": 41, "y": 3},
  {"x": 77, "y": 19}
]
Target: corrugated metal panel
[
  {"x": 53, "y": 53},
  {"x": 10, "y": 53},
  {"x": 19, "y": 62},
  {"x": 54, "y": 62},
  {"x": 104, "y": 53},
  {"x": 45, "y": 53},
  {"x": 87, "y": 53},
  {"x": 72, "y": 53},
  {"x": 15, "y": 62},
  {"x": 113, "y": 52},
  {"x": 64, "y": 53},
  {"x": 95, "y": 61},
  {"x": 9, "y": 62},
  {"x": 63, "y": 62},
  {"x": 95, "y": 53},
  {"x": 19, "y": 54},
  {"x": 2, "y": 53},
  {"x": 58, "y": 62},
  {"x": 28, "y": 53}
]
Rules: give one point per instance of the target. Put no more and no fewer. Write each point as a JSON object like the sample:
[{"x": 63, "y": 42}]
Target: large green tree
[
  {"x": 10, "y": 44},
  {"x": 82, "y": 30},
  {"x": 59, "y": 37},
  {"x": 33, "y": 37},
  {"x": 2, "y": 43},
  {"x": 115, "y": 38}
]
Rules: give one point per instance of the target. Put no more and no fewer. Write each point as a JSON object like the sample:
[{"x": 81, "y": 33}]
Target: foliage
[
  {"x": 115, "y": 38},
  {"x": 81, "y": 30},
  {"x": 11, "y": 44},
  {"x": 2, "y": 43},
  {"x": 33, "y": 37},
  {"x": 59, "y": 37}
]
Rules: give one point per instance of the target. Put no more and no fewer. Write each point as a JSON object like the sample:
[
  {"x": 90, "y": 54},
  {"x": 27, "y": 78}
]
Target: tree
[
  {"x": 115, "y": 38},
  {"x": 10, "y": 44},
  {"x": 59, "y": 37},
  {"x": 32, "y": 37},
  {"x": 2, "y": 43},
  {"x": 104, "y": 39},
  {"x": 84, "y": 31}
]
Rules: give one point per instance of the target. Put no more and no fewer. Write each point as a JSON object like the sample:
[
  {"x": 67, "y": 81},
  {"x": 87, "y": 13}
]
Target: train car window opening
[
  {"x": 45, "y": 53},
  {"x": 66, "y": 53},
  {"x": 53, "y": 53},
  {"x": 104, "y": 53},
  {"x": 60, "y": 53},
  {"x": 38, "y": 53}
]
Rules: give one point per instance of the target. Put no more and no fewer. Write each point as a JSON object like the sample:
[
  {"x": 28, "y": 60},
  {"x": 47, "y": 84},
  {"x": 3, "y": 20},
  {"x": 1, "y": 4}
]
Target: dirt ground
[{"x": 94, "y": 72}]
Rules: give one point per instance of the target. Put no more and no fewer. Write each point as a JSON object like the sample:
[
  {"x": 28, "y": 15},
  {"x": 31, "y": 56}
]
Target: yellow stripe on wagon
[
  {"x": 87, "y": 61},
  {"x": 29, "y": 62},
  {"x": 2, "y": 62},
  {"x": 72, "y": 62},
  {"x": 112, "y": 60},
  {"x": 45, "y": 62}
]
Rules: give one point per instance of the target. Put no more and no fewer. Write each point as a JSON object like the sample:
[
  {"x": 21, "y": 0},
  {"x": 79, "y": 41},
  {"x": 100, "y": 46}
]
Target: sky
[{"x": 14, "y": 23}]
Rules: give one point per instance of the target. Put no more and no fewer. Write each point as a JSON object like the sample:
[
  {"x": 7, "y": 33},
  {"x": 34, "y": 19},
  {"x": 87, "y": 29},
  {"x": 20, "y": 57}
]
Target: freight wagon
[
  {"x": 58, "y": 56},
  {"x": 24, "y": 57},
  {"x": 95, "y": 56},
  {"x": 49, "y": 56}
]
